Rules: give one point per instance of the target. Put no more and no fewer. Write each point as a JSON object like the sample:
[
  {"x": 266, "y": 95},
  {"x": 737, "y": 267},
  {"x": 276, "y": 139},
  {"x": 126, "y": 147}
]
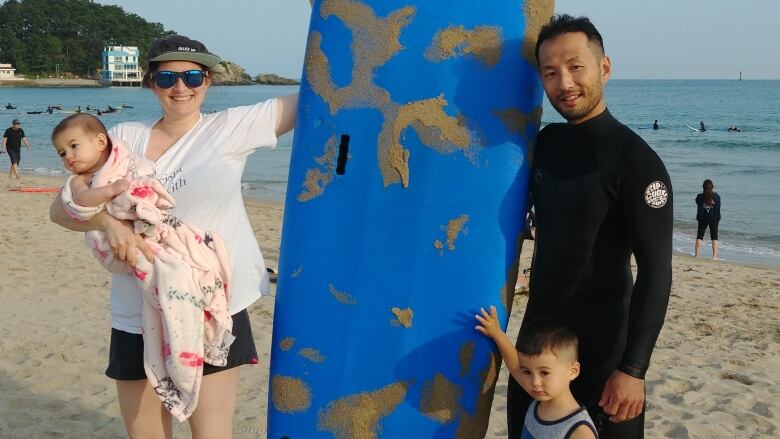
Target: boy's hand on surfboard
[{"x": 488, "y": 322}]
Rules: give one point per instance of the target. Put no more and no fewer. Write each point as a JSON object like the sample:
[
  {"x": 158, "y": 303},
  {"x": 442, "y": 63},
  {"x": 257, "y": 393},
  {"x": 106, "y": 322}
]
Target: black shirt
[
  {"x": 14, "y": 137},
  {"x": 600, "y": 193}
]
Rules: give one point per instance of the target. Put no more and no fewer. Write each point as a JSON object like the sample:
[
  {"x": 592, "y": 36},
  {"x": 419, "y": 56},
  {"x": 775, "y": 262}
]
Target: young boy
[
  {"x": 185, "y": 318},
  {"x": 544, "y": 364}
]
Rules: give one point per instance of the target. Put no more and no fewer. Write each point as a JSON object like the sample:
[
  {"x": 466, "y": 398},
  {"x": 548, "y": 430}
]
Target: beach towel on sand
[{"x": 186, "y": 318}]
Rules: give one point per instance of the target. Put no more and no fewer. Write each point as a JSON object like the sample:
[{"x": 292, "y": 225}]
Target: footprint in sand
[
  {"x": 736, "y": 377},
  {"x": 763, "y": 409},
  {"x": 249, "y": 428},
  {"x": 703, "y": 329},
  {"x": 679, "y": 387},
  {"x": 677, "y": 431}
]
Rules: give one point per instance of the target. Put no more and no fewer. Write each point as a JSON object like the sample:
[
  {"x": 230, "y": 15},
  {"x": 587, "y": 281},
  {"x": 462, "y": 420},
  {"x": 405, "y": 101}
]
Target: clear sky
[{"x": 660, "y": 39}]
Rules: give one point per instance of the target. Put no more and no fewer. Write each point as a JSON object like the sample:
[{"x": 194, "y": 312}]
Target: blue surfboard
[{"x": 406, "y": 196}]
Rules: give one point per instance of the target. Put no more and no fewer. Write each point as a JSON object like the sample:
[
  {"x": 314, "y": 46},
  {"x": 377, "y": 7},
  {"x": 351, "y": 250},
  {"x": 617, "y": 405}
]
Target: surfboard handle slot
[{"x": 341, "y": 161}]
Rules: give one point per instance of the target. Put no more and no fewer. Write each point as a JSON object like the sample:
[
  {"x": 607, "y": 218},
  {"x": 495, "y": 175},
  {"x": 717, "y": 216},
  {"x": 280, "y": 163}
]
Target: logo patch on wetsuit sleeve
[{"x": 656, "y": 194}]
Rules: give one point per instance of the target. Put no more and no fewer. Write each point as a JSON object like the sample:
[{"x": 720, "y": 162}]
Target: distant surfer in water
[
  {"x": 701, "y": 126},
  {"x": 655, "y": 124},
  {"x": 734, "y": 129},
  {"x": 600, "y": 193}
]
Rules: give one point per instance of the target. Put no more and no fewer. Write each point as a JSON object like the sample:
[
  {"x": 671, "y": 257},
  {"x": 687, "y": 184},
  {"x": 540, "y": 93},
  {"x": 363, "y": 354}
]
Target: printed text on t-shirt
[{"x": 173, "y": 180}]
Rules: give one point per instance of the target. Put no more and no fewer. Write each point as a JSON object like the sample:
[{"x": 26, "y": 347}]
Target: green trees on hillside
[{"x": 41, "y": 36}]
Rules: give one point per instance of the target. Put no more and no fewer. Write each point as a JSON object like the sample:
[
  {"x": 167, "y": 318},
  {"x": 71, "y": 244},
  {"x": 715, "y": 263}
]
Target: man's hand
[
  {"x": 124, "y": 243},
  {"x": 489, "y": 323},
  {"x": 623, "y": 397}
]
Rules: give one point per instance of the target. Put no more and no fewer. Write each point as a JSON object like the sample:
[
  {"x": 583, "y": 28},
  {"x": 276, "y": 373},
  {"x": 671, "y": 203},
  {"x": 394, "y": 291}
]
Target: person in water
[
  {"x": 701, "y": 126},
  {"x": 600, "y": 193},
  {"x": 655, "y": 124},
  {"x": 707, "y": 215}
]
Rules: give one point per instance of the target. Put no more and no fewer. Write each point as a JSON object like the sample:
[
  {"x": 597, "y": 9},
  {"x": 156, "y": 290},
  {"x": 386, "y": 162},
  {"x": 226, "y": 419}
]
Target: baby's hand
[
  {"x": 488, "y": 322},
  {"x": 120, "y": 186}
]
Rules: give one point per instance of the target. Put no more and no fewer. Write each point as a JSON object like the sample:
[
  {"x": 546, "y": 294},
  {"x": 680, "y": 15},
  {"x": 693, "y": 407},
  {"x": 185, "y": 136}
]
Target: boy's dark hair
[
  {"x": 563, "y": 24},
  {"x": 541, "y": 335},
  {"x": 87, "y": 122}
]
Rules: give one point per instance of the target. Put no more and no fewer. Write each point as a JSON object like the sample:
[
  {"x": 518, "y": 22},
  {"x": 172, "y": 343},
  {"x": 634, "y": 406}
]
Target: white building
[
  {"x": 7, "y": 72},
  {"x": 121, "y": 66}
]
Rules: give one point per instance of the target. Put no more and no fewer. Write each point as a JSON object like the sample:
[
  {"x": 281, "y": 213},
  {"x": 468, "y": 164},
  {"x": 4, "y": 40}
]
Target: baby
[
  {"x": 544, "y": 364},
  {"x": 185, "y": 290}
]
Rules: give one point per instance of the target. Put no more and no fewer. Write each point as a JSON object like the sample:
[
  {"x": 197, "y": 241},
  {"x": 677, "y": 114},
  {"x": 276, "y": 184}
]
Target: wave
[
  {"x": 722, "y": 144},
  {"x": 45, "y": 171},
  {"x": 732, "y": 248}
]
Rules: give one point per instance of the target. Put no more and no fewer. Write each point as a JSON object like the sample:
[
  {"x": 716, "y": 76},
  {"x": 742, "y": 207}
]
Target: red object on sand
[{"x": 34, "y": 189}]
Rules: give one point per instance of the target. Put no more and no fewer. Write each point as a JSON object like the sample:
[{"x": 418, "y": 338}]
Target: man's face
[
  {"x": 573, "y": 73},
  {"x": 16, "y": 126}
]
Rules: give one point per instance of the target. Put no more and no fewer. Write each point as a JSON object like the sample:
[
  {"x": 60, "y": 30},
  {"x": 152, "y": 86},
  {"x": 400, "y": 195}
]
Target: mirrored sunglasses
[{"x": 167, "y": 78}]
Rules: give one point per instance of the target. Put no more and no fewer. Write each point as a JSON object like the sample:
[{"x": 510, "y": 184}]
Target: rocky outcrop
[
  {"x": 228, "y": 73},
  {"x": 271, "y": 79}
]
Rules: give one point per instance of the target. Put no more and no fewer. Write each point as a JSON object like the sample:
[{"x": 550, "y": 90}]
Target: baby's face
[
  {"x": 80, "y": 152},
  {"x": 546, "y": 376}
]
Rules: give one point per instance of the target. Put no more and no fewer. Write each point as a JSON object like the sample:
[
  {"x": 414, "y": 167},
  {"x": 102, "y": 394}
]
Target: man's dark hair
[
  {"x": 563, "y": 24},
  {"x": 542, "y": 335}
]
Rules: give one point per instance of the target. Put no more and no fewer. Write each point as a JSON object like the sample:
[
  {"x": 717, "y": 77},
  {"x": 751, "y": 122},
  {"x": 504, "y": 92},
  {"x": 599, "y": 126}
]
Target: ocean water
[{"x": 744, "y": 166}]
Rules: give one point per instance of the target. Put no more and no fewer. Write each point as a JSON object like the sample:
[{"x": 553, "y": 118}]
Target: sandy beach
[{"x": 715, "y": 372}]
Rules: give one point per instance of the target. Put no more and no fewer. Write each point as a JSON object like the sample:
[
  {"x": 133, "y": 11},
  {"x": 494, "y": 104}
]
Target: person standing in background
[
  {"x": 12, "y": 143},
  {"x": 707, "y": 215}
]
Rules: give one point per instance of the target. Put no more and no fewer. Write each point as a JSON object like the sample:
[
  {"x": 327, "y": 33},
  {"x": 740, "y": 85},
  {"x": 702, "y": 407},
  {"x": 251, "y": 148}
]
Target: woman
[
  {"x": 199, "y": 159},
  {"x": 708, "y": 215}
]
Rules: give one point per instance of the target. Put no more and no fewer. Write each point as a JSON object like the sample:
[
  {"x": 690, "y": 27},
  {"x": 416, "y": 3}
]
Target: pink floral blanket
[{"x": 186, "y": 318}]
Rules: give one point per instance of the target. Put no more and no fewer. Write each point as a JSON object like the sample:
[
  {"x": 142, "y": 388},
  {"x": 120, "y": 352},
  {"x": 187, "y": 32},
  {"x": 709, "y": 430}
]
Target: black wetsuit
[{"x": 600, "y": 193}]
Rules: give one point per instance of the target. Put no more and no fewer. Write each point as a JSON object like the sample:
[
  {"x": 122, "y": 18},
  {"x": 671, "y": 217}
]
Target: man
[
  {"x": 599, "y": 194},
  {"x": 12, "y": 143}
]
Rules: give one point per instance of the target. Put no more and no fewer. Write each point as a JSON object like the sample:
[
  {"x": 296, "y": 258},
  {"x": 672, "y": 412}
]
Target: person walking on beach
[
  {"x": 707, "y": 215},
  {"x": 12, "y": 144},
  {"x": 600, "y": 193},
  {"x": 199, "y": 159}
]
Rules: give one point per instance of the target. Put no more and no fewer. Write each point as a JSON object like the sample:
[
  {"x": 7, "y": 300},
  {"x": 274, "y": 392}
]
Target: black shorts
[
  {"x": 713, "y": 230},
  {"x": 15, "y": 154},
  {"x": 126, "y": 354}
]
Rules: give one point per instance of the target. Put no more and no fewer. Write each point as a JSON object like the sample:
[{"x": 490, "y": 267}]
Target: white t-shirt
[{"x": 202, "y": 171}]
